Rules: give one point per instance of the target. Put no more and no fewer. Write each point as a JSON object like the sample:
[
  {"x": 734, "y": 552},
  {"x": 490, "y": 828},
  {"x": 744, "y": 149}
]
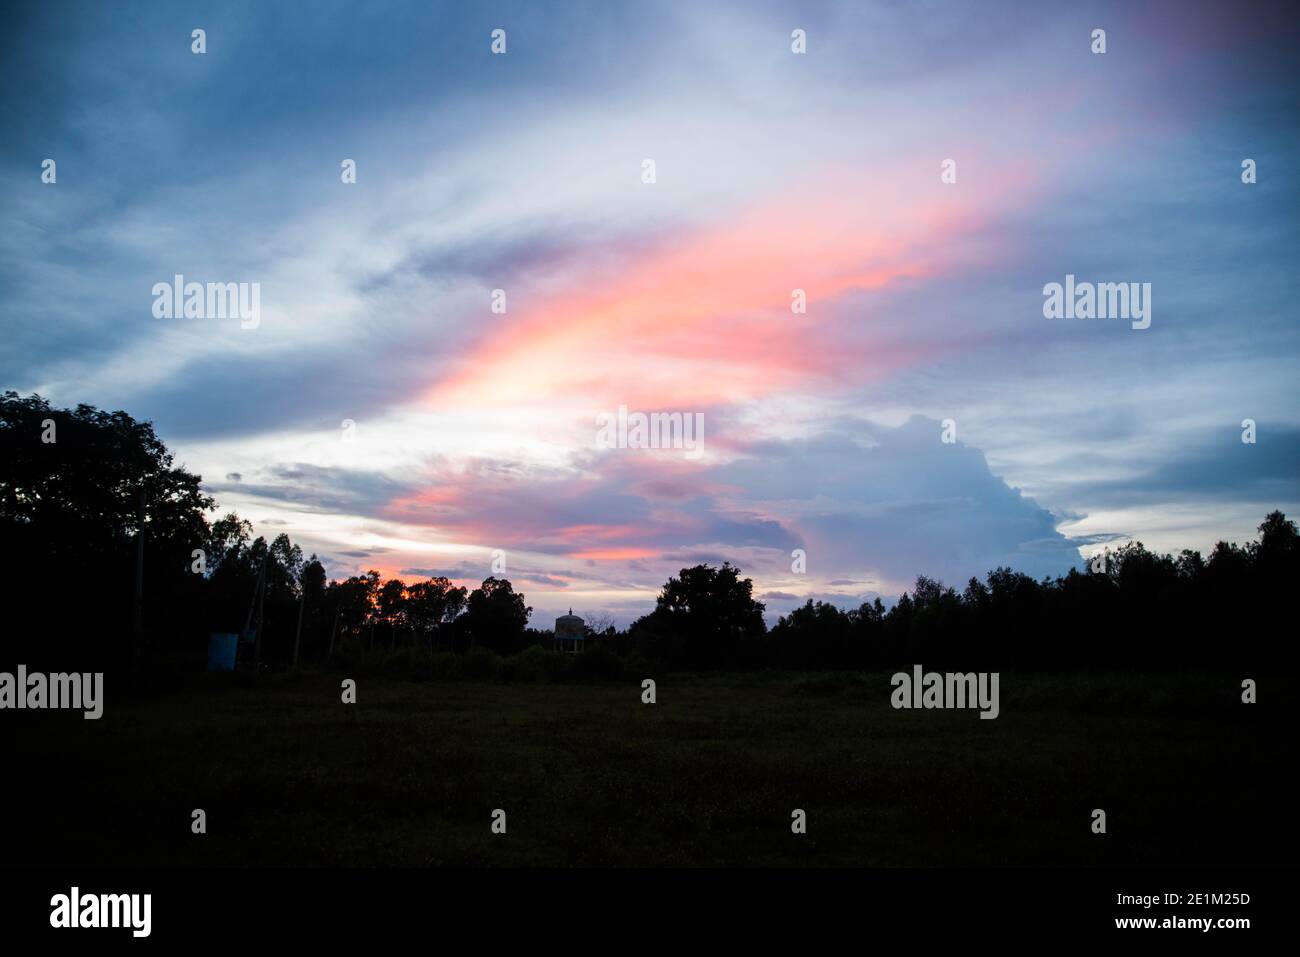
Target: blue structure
[{"x": 222, "y": 650}]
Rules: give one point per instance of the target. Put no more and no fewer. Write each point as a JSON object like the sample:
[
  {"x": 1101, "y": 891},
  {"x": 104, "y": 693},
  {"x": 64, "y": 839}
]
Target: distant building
[{"x": 570, "y": 632}]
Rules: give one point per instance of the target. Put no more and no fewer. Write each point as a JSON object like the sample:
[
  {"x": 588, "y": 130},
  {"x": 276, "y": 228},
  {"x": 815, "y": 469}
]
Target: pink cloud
[{"x": 707, "y": 319}]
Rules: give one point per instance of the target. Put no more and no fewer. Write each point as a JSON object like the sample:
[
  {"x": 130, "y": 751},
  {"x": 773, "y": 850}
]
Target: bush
[
  {"x": 596, "y": 663},
  {"x": 827, "y": 683},
  {"x": 444, "y": 664},
  {"x": 534, "y": 663},
  {"x": 480, "y": 662},
  {"x": 406, "y": 663}
]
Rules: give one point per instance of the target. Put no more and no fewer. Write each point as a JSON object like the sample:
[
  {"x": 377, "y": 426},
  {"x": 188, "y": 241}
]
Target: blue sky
[{"x": 472, "y": 432}]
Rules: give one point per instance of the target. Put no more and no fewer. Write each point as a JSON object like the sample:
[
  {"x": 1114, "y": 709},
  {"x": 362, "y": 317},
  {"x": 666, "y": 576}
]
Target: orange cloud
[
  {"x": 708, "y": 319},
  {"x": 614, "y": 554}
]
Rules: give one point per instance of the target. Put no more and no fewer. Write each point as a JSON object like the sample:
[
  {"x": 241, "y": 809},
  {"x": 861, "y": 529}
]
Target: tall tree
[
  {"x": 431, "y": 604},
  {"x": 71, "y": 482},
  {"x": 710, "y": 611},
  {"x": 495, "y": 616}
]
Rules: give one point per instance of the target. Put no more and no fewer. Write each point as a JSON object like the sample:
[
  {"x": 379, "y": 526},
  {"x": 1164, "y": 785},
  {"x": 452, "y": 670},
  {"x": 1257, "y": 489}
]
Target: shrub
[
  {"x": 444, "y": 664},
  {"x": 479, "y": 662},
  {"x": 534, "y": 663},
  {"x": 596, "y": 663}
]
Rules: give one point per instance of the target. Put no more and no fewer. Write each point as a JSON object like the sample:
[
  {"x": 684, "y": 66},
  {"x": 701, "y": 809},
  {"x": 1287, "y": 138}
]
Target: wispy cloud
[{"x": 472, "y": 431}]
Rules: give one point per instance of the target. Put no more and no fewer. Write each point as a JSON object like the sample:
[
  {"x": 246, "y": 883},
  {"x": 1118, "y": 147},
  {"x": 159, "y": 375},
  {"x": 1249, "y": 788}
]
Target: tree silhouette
[
  {"x": 702, "y": 616},
  {"x": 431, "y": 604},
  {"x": 71, "y": 486},
  {"x": 495, "y": 616},
  {"x": 71, "y": 482}
]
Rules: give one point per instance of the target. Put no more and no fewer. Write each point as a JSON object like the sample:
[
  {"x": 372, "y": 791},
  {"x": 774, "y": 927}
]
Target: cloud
[
  {"x": 1210, "y": 465},
  {"x": 894, "y": 503},
  {"x": 776, "y": 172}
]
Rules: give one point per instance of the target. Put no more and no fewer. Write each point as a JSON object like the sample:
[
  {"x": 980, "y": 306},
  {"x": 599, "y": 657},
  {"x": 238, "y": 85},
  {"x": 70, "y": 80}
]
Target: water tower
[{"x": 570, "y": 632}]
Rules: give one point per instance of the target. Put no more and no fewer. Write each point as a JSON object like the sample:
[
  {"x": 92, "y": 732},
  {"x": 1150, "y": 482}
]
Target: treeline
[
  {"x": 77, "y": 486},
  {"x": 1130, "y": 609},
  {"x": 1126, "y": 609},
  {"x": 253, "y": 585}
]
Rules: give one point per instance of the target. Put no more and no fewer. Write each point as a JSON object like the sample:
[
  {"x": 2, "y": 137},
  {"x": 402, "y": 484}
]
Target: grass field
[{"x": 709, "y": 775}]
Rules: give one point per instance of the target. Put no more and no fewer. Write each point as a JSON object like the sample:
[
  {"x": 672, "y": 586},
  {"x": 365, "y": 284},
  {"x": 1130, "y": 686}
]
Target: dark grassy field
[{"x": 588, "y": 775}]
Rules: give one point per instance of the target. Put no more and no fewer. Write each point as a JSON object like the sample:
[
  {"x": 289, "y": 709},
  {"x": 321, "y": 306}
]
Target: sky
[{"x": 922, "y": 416}]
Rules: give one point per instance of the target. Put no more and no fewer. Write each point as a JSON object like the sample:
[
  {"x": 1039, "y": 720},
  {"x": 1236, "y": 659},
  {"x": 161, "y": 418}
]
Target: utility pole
[
  {"x": 137, "y": 625},
  {"x": 261, "y": 620},
  {"x": 248, "y": 621},
  {"x": 334, "y": 630},
  {"x": 297, "y": 638}
]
